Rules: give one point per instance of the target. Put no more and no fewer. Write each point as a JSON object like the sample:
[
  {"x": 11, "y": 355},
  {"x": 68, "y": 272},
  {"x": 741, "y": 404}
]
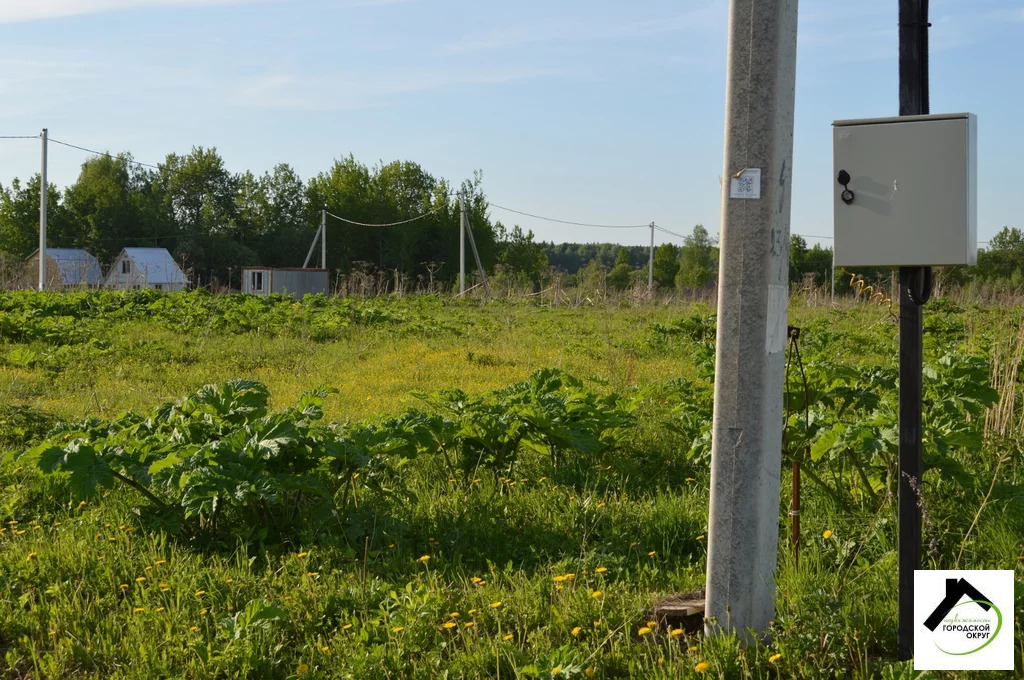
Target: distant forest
[{"x": 214, "y": 222}]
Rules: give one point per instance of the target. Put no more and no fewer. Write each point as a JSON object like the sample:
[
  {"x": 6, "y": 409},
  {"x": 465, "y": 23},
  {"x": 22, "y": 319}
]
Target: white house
[
  {"x": 65, "y": 268},
  {"x": 136, "y": 268}
]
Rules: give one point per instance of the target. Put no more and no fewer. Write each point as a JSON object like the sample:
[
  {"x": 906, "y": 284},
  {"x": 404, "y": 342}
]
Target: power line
[
  {"x": 578, "y": 224},
  {"x": 668, "y": 232},
  {"x": 19, "y": 136},
  {"x": 389, "y": 224},
  {"x": 103, "y": 153}
]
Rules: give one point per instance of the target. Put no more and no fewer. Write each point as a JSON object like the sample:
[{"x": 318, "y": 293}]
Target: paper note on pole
[{"x": 746, "y": 184}]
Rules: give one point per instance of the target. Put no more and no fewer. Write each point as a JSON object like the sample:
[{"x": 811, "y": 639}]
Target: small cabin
[
  {"x": 293, "y": 281},
  {"x": 65, "y": 268},
  {"x": 137, "y": 268}
]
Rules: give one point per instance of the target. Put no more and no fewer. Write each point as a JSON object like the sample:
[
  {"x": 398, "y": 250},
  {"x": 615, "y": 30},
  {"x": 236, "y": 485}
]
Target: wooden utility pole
[{"x": 753, "y": 292}]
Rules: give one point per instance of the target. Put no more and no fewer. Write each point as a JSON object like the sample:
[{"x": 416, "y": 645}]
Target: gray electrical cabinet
[{"x": 906, "y": 191}]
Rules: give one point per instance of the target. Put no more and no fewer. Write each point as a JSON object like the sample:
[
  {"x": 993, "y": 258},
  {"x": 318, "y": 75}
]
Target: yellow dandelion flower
[
  {"x": 476, "y": 481},
  {"x": 346, "y": 626},
  {"x": 701, "y": 537},
  {"x": 689, "y": 479},
  {"x": 398, "y": 629},
  {"x": 302, "y": 554},
  {"x": 355, "y": 476},
  {"x": 159, "y": 609},
  {"x": 652, "y": 553},
  {"x": 576, "y": 631},
  {"x": 325, "y": 649},
  {"x": 557, "y": 670},
  {"x": 644, "y": 631},
  {"x": 124, "y": 586},
  {"x": 589, "y": 672},
  {"x": 229, "y": 581},
  {"x": 601, "y": 504},
  {"x": 774, "y": 657},
  {"x": 597, "y": 624},
  {"x": 472, "y": 611},
  {"x": 507, "y": 637},
  {"x": 193, "y": 629},
  {"x": 596, "y": 594},
  {"x": 109, "y": 540},
  {"x": 600, "y": 570},
  {"x": 702, "y": 667},
  {"x": 302, "y": 668},
  {"x": 569, "y": 577},
  {"x": 495, "y": 605},
  {"x": 3, "y": 529},
  {"x": 542, "y": 479},
  {"x": 138, "y": 609},
  {"x": 31, "y": 556},
  {"x": 148, "y": 567},
  {"x": 56, "y": 524},
  {"x": 470, "y": 624},
  {"x": 559, "y": 587},
  {"x": 676, "y": 632},
  {"x": 140, "y": 579},
  {"x": 557, "y": 579},
  {"x": 652, "y": 624},
  {"x": 827, "y": 533},
  {"x": 101, "y": 558},
  {"x": 19, "y": 532},
  {"x": 455, "y": 615},
  {"x": 82, "y": 504},
  {"x": 159, "y": 562},
  {"x": 448, "y": 625},
  {"x": 313, "y": 574},
  {"x": 287, "y": 597},
  {"x": 424, "y": 558}
]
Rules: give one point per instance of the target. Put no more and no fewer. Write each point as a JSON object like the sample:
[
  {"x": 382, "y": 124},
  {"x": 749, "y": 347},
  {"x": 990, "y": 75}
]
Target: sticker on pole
[
  {"x": 746, "y": 184},
  {"x": 963, "y": 620}
]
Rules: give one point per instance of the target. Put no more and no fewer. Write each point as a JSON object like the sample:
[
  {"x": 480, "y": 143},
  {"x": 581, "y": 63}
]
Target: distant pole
[
  {"x": 462, "y": 244},
  {"x": 42, "y": 218},
  {"x": 753, "y": 296},
  {"x": 323, "y": 238},
  {"x": 650, "y": 264}
]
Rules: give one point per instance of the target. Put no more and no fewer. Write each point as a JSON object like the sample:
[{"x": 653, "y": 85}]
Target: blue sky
[{"x": 592, "y": 111}]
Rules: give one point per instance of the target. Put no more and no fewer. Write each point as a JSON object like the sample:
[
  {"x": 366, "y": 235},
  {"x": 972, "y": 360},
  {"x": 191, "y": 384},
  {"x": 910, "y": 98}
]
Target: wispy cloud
[
  {"x": 707, "y": 16},
  {"x": 12, "y": 11},
  {"x": 343, "y": 90}
]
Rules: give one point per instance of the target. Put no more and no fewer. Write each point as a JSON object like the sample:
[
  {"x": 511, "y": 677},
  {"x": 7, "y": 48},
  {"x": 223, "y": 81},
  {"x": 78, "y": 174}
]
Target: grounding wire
[
  {"x": 578, "y": 224},
  {"x": 102, "y": 153},
  {"x": 389, "y": 224}
]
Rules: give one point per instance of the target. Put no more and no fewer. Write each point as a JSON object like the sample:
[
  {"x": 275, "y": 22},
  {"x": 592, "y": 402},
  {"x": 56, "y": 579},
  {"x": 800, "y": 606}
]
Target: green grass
[{"x": 350, "y": 595}]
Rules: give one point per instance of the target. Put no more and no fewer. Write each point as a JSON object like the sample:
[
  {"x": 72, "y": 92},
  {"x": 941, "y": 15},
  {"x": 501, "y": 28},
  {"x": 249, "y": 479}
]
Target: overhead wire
[
  {"x": 19, "y": 136},
  {"x": 102, "y": 153},
  {"x": 388, "y": 224},
  {"x": 578, "y": 224}
]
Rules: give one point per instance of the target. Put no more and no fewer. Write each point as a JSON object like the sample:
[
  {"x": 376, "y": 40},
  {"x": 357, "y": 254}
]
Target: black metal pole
[{"x": 913, "y": 20}]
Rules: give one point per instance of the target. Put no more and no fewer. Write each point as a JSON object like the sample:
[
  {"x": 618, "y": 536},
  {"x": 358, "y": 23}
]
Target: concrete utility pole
[
  {"x": 462, "y": 244},
  {"x": 42, "y": 219},
  {"x": 753, "y": 295},
  {"x": 323, "y": 238},
  {"x": 650, "y": 264}
]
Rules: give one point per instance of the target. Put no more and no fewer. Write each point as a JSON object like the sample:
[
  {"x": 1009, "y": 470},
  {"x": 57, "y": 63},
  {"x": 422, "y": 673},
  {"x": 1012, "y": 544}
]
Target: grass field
[{"x": 413, "y": 532}]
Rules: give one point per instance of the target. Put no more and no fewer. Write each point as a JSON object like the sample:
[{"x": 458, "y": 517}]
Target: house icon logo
[{"x": 960, "y": 619}]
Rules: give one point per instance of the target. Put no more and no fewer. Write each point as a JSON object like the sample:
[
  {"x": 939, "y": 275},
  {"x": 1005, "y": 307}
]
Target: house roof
[
  {"x": 75, "y": 266},
  {"x": 156, "y": 264}
]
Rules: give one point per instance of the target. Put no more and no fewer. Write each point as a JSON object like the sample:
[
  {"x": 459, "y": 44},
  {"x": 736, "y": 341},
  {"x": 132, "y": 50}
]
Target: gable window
[
  {"x": 126, "y": 266},
  {"x": 256, "y": 285}
]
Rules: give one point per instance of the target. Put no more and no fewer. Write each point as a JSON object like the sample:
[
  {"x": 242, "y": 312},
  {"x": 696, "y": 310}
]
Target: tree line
[{"x": 215, "y": 222}]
